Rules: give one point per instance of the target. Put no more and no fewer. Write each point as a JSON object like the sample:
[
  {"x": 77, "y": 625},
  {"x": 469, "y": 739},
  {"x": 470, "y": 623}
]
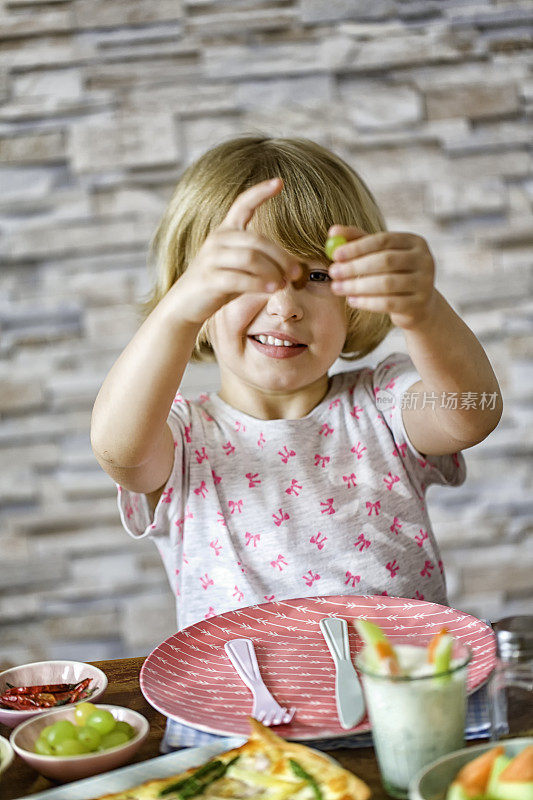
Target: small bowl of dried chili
[{"x": 30, "y": 689}]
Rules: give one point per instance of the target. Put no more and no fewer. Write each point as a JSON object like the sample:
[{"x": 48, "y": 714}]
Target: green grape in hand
[{"x": 332, "y": 242}]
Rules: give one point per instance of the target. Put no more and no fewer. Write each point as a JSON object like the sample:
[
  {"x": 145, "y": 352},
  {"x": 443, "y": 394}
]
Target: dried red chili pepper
[
  {"x": 19, "y": 702},
  {"x": 51, "y": 687},
  {"x": 46, "y": 695},
  {"x": 80, "y": 688}
]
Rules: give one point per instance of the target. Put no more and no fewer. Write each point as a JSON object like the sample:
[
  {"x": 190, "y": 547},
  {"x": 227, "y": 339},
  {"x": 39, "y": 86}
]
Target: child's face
[{"x": 252, "y": 371}]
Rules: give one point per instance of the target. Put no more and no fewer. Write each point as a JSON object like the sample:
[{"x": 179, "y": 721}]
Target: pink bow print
[
  {"x": 328, "y": 506},
  {"x": 278, "y": 563},
  {"x": 202, "y": 489},
  {"x": 310, "y": 578},
  {"x": 252, "y": 537},
  {"x": 396, "y": 526},
  {"x": 282, "y": 517},
  {"x": 421, "y": 538},
  {"x": 206, "y": 581},
  {"x": 318, "y": 541},
  {"x": 294, "y": 487},
  {"x": 286, "y": 455},
  {"x": 373, "y": 507},
  {"x": 235, "y": 505},
  {"x": 201, "y": 455},
  {"x": 391, "y": 480},
  {"x": 428, "y": 568},
  {"x": 362, "y": 543},
  {"x": 358, "y": 449},
  {"x": 352, "y": 578},
  {"x": 393, "y": 568},
  {"x": 216, "y": 546}
]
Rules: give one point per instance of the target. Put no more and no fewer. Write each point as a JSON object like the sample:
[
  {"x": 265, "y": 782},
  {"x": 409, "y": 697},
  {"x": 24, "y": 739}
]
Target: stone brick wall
[{"x": 102, "y": 105}]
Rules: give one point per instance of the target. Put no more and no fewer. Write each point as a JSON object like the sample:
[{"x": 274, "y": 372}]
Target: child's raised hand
[
  {"x": 387, "y": 272},
  {"x": 234, "y": 260}
]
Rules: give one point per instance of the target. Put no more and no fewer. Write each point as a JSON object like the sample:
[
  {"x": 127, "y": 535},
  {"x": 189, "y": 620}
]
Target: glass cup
[{"x": 415, "y": 719}]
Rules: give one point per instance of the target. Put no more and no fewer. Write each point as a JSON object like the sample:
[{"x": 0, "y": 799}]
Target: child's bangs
[{"x": 315, "y": 195}]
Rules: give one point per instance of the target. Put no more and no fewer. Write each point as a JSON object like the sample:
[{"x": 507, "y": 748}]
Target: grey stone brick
[
  {"x": 159, "y": 620},
  {"x": 48, "y": 85},
  {"x": 129, "y": 74},
  {"x": 335, "y": 10},
  {"x": 33, "y": 148},
  {"x": 375, "y": 106},
  {"x": 274, "y": 60},
  {"x": 124, "y": 141},
  {"x": 186, "y": 97},
  {"x": 41, "y": 21},
  {"x": 284, "y": 92},
  {"x": 21, "y": 395},
  {"x": 124, "y": 12},
  {"x": 455, "y": 200},
  {"x": 16, "y": 574},
  {"x": 473, "y": 101},
  {"x": 240, "y": 22},
  {"x": 91, "y": 235}
]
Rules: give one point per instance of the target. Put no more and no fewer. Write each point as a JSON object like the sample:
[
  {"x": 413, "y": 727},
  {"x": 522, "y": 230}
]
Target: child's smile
[{"x": 277, "y": 344}]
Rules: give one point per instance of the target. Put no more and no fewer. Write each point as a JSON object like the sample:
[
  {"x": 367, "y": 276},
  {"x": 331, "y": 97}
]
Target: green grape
[
  {"x": 89, "y": 738},
  {"x": 69, "y": 747},
  {"x": 126, "y": 728},
  {"x": 45, "y": 731},
  {"x": 113, "y": 739},
  {"x": 43, "y": 748},
  {"x": 332, "y": 242},
  {"x": 82, "y": 712},
  {"x": 101, "y": 720},
  {"x": 60, "y": 731}
]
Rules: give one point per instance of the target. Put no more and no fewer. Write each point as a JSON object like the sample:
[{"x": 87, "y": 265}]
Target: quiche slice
[{"x": 266, "y": 767}]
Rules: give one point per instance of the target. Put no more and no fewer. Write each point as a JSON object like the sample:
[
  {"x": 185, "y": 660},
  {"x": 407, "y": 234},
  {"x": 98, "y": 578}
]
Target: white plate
[{"x": 160, "y": 767}]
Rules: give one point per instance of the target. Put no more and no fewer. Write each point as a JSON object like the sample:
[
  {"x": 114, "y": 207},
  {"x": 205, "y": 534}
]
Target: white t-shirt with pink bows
[{"x": 329, "y": 504}]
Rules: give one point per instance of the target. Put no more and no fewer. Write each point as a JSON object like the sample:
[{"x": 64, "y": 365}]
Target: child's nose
[{"x": 285, "y": 301}]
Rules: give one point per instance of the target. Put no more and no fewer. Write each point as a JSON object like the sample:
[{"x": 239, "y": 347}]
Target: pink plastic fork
[{"x": 266, "y": 710}]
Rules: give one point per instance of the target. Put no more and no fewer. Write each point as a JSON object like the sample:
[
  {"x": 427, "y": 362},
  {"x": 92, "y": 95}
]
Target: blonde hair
[{"x": 319, "y": 190}]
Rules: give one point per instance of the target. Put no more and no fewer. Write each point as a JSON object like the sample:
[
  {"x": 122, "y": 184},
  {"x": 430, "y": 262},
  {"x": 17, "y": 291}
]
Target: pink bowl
[
  {"x": 70, "y": 768},
  {"x": 46, "y": 672}
]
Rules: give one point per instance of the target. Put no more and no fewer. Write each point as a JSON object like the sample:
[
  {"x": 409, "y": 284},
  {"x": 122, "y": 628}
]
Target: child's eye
[{"x": 318, "y": 276}]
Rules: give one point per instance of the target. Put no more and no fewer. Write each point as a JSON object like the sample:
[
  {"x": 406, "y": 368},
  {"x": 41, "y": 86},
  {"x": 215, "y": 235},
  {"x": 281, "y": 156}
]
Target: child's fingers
[
  {"x": 378, "y": 263},
  {"x": 348, "y": 231},
  {"x": 235, "y": 282},
  {"x": 244, "y": 205},
  {"x": 253, "y": 263},
  {"x": 391, "y": 284},
  {"x": 389, "y": 304},
  {"x": 374, "y": 243},
  {"x": 249, "y": 241}
]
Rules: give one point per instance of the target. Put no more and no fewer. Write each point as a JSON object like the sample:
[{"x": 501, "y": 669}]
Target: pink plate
[{"x": 190, "y": 678}]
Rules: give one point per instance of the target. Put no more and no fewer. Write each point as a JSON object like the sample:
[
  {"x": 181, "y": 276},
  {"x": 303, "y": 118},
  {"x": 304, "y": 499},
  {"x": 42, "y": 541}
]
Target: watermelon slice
[
  {"x": 474, "y": 776},
  {"x": 514, "y": 778}
]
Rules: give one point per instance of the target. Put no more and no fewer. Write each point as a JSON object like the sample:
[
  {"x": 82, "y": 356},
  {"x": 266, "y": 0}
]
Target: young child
[{"x": 289, "y": 482}]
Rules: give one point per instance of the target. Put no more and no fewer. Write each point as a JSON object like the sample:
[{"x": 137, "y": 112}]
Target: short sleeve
[
  {"x": 135, "y": 512},
  {"x": 392, "y": 377}
]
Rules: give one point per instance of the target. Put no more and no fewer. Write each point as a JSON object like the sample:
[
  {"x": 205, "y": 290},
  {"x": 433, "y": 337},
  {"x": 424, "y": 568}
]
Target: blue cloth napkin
[{"x": 477, "y": 727}]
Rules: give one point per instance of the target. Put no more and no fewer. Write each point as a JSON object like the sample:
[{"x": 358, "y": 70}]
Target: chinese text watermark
[{"x": 481, "y": 401}]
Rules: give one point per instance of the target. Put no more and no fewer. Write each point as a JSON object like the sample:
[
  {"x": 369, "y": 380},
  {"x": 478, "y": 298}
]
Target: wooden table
[{"x": 123, "y": 689}]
